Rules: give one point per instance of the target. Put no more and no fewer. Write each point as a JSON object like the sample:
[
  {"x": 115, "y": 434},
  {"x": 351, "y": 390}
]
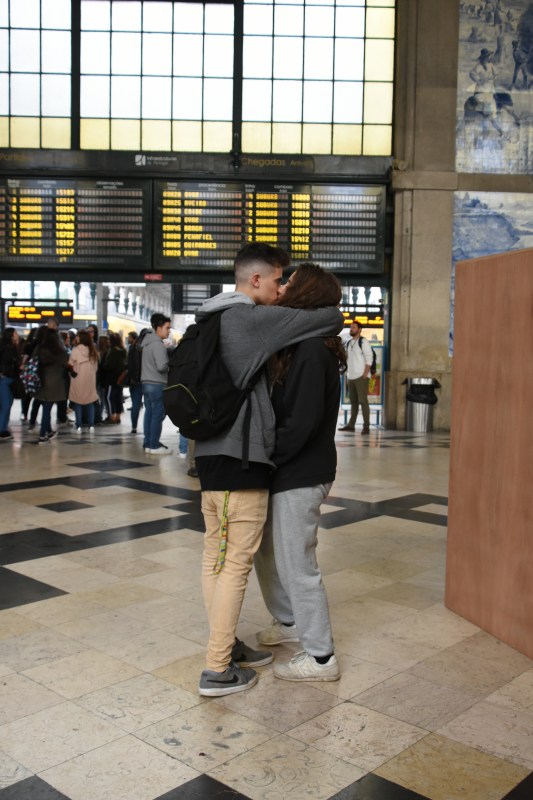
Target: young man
[
  {"x": 235, "y": 500},
  {"x": 357, "y": 375},
  {"x": 154, "y": 379}
]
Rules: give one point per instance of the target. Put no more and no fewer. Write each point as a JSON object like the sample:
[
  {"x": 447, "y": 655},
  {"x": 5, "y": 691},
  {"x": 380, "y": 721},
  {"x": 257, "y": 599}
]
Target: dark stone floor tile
[
  {"x": 202, "y": 788},
  {"x": 110, "y": 464},
  {"x": 372, "y": 787},
  {"x": 18, "y": 590},
  {"x": 524, "y": 790},
  {"x": 65, "y": 505},
  {"x": 31, "y": 789}
]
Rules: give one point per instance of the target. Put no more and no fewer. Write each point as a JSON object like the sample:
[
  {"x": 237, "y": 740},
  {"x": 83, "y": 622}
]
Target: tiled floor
[{"x": 102, "y": 636}]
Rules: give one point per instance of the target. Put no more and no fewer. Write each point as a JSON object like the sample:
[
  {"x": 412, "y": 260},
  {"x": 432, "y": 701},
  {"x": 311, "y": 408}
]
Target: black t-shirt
[{"x": 225, "y": 474}]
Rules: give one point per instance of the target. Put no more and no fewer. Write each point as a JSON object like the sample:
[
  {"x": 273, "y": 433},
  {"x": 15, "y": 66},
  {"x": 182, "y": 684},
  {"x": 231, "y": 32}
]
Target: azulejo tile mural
[{"x": 495, "y": 87}]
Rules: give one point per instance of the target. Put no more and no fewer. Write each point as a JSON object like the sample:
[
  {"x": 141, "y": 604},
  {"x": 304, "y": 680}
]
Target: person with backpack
[
  {"x": 235, "y": 465},
  {"x": 154, "y": 371},
  {"x": 133, "y": 379},
  {"x": 360, "y": 362}
]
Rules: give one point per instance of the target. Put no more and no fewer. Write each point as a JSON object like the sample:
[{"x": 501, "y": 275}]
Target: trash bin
[{"x": 421, "y": 398}]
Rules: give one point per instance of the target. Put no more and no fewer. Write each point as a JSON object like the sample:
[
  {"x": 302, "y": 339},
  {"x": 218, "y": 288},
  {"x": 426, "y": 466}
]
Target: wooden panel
[{"x": 489, "y": 571}]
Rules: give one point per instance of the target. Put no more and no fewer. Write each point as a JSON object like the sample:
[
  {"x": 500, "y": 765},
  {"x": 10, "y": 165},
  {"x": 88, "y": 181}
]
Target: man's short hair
[
  {"x": 254, "y": 252},
  {"x": 157, "y": 320}
]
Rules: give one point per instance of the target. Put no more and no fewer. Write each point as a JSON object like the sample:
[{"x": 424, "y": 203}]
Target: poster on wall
[
  {"x": 486, "y": 223},
  {"x": 495, "y": 87}
]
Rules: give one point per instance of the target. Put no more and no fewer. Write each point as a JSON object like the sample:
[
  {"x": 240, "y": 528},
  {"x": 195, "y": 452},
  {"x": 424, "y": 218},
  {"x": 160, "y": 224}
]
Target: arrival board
[
  {"x": 75, "y": 222},
  {"x": 340, "y": 227}
]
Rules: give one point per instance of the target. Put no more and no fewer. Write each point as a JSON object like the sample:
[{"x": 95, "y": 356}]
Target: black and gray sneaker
[
  {"x": 233, "y": 679},
  {"x": 244, "y": 656}
]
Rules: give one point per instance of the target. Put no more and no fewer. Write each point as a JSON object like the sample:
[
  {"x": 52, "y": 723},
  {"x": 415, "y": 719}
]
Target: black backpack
[
  {"x": 373, "y": 367},
  {"x": 135, "y": 355},
  {"x": 200, "y": 397}
]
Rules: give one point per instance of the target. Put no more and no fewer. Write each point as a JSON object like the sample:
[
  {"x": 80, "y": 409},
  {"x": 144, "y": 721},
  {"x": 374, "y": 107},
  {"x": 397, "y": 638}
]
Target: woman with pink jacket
[{"x": 83, "y": 365}]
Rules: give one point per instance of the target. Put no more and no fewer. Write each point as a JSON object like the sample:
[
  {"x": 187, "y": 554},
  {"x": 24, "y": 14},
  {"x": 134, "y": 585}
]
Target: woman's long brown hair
[
  {"x": 84, "y": 337},
  {"x": 310, "y": 286}
]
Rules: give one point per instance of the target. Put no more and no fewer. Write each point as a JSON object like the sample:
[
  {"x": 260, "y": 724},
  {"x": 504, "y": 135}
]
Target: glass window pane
[
  {"x": 217, "y": 137},
  {"x": 318, "y": 62},
  {"x": 187, "y": 136},
  {"x": 379, "y": 60},
  {"x": 219, "y": 19},
  {"x": 55, "y": 14},
  {"x": 257, "y": 57},
  {"x": 352, "y": 3},
  {"x": 4, "y": 50},
  {"x": 348, "y": 102},
  {"x": 257, "y": 100},
  {"x": 25, "y": 132},
  {"x": 347, "y": 140},
  {"x": 188, "y": 17},
  {"x": 288, "y": 57},
  {"x": 25, "y": 14},
  {"x": 4, "y": 95},
  {"x": 94, "y": 134},
  {"x": 94, "y": 96},
  {"x": 319, "y": 21},
  {"x": 188, "y": 55},
  {"x": 378, "y": 103},
  {"x": 380, "y": 23},
  {"x": 187, "y": 100},
  {"x": 317, "y": 101},
  {"x": 258, "y": 19},
  {"x": 157, "y": 17},
  {"x": 4, "y": 132},
  {"x": 55, "y": 91},
  {"x": 157, "y": 54},
  {"x": 218, "y": 99},
  {"x": 288, "y": 21},
  {"x": 4, "y": 16},
  {"x": 126, "y": 97},
  {"x": 316, "y": 139},
  {"x": 126, "y": 16},
  {"x": 155, "y": 135},
  {"x": 125, "y": 134},
  {"x": 349, "y": 59},
  {"x": 55, "y": 133},
  {"x": 389, "y": 3},
  {"x": 95, "y": 16},
  {"x": 377, "y": 140},
  {"x": 256, "y": 137},
  {"x": 286, "y": 137},
  {"x": 25, "y": 95},
  {"x": 95, "y": 49},
  {"x": 218, "y": 56},
  {"x": 156, "y": 96},
  {"x": 287, "y": 104},
  {"x": 126, "y": 53},
  {"x": 56, "y": 51},
  {"x": 25, "y": 51},
  {"x": 350, "y": 22}
]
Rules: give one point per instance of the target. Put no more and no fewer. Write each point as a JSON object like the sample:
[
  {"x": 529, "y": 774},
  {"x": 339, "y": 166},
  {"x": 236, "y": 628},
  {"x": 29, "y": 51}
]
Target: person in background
[
  {"x": 93, "y": 332},
  {"x": 113, "y": 367},
  {"x": 306, "y": 397},
  {"x": 36, "y": 404},
  {"x": 134, "y": 377},
  {"x": 83, "y": 366},
  {"x": 103, "y": 347},
  {"x": 154, "y": 378},
  {"x": 9, "y": 370},
  {"x": 359, "y": 354},
  {"x": 27, "y": 350},
  {"x": 53, "y": 362}
]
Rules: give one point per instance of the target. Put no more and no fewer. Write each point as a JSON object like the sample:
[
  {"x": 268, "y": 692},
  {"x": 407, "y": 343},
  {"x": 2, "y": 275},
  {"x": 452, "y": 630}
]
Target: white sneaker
[
  {"x": 304, "y": 667},
  {"x": 159, "y": 451},
  {"x": 278, "y": 634},
  {"x": 78, "y": 430},
  {"x": 91, "y": 429}
]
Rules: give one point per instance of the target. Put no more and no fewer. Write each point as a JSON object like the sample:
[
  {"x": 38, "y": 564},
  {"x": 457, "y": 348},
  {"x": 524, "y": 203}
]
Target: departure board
[
  {"x": 340, "y": 227},
  {"x": 75, "y": 222}
]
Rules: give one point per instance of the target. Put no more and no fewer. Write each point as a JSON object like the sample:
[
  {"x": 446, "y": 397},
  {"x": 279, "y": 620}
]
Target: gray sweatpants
[{"x": 287, "y": 568}]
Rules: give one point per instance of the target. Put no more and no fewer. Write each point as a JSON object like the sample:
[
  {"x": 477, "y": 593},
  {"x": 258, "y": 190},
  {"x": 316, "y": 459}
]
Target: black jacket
[
  {"x": 9, "y": 361},
  {"x": 307, "y": 408}
]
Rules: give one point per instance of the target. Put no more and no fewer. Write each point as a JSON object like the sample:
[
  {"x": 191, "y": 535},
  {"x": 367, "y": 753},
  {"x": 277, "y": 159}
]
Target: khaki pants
[
  {"x": 358, "y": 393},
  {"x": 224, "y": 592}
]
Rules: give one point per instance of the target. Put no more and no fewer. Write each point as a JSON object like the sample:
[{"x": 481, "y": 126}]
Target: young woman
[
  {"x": 83, "y": 366},
  {"x": 9, "y": 370},
  {"x": 53, "y": 362},
  {"x": 112, "y": 366},
  {"x": 305, "y": 397}
]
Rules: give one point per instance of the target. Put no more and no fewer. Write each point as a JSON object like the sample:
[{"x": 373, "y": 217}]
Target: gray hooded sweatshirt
[
  {"x": 154, "y": 364},
  {"x": 249, "y": 335}
]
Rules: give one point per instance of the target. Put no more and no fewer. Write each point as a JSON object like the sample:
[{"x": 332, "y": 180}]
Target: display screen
[
  {"x": 340, "y": 227},
  {"x": 75, "y": 222},
  {"x": 21, "y": 314}
]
